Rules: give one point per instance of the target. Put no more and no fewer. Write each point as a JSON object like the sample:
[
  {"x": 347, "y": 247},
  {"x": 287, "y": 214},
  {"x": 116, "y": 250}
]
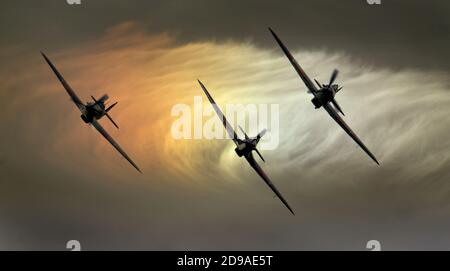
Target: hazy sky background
[{"x": 60, "y": 180}]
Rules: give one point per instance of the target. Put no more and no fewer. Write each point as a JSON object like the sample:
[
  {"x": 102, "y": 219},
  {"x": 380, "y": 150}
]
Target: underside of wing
[
  {"x": 262, "y": 174},
  {"x": 309, "y": 84},
  {"x": 114, "y": 143},
  {"x": 221, "y": 116},
  {"x": 335, "y": 115},
  {"x": 69, "y": 90}
]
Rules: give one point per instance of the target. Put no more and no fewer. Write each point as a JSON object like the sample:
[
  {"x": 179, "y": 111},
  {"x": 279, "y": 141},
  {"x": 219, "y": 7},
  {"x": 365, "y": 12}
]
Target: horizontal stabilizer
[
  {"x": 260, "y": 155},
  {"x": 109, "y": 108},
  {"x": 337, "y": 106},
  {"x": 113, "y": 122}
]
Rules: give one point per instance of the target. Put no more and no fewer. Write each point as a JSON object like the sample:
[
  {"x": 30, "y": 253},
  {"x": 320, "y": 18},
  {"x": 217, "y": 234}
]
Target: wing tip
[
  {"x": 292, "y": 212},
  {"x": 132, "y": 163},
  {"x": 137, "y": 168},
  {"x": 206, "y": 91},
  {"x": 289, "y": 207},
  {"x": 44, "y": 56},
  {"x": 372, "y": 157},
  {"x": 273, "y": 34},
  {"x": 201, "y": 84},
  {"x": 276, "y": 37}
]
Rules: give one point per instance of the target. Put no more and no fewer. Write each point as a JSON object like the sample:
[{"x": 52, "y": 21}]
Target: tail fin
[
  {"x": 261, "y": 134},
  {"x": 318, "y": 84},
  {"x": 103, "y": 98},
  {"x": 242, "y": 130}
]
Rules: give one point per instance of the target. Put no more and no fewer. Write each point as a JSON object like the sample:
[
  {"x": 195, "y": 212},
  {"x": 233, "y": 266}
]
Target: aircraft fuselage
[
  {"x": 93, "y": 111},
  {"x": 246, "y": 146},
  {"x": 323, "y": 96}
]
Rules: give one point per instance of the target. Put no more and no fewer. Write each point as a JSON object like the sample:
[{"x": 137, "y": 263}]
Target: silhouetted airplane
[
  {"x": 245, "y": 146},
  {"x": 324, "y": 96},
  {"x": 91, "y": 112}
]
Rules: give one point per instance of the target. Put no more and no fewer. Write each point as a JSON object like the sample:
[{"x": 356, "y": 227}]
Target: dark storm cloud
[{"x": 398, "y": 34}]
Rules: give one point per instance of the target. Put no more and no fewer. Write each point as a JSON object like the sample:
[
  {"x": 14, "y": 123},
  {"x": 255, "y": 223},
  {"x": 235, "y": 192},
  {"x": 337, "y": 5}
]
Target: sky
[{"x": 60, "y": 180}]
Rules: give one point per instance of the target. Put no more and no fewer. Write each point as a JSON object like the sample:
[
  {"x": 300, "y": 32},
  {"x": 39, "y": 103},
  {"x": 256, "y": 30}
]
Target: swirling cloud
[{"x": 400, "y": 115}]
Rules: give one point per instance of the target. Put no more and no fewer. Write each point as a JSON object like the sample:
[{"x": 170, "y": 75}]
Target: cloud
[
  {"x": 65, "y": 182},
  {"x": 395, "y": 34}
]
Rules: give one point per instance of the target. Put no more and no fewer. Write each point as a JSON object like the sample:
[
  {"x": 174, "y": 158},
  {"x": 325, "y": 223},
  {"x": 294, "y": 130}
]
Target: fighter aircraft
[
  {"x": 324, "y": 96},
  {"x": 91, "y": 112},
  {"x": 246, "y": 146}
]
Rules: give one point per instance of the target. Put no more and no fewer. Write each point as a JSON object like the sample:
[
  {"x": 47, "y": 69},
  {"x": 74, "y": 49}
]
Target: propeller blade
[
  {"x": 262, "y": 158},
  {"x": 110, "y": 107},
  {"x": 109, "y": 117},
  {"x": 333, "y": 77},
  {"x": 337, "y": 106},
  {"x": 242, "y": 130},
  {"x": 94, "y": 99}
]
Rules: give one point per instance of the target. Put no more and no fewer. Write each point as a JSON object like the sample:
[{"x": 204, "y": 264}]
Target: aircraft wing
[
  {"x": 335, "y": 115},
  {"x": 309, "y": 84},
  {"x": 69, "y": 90},
  {"x": 225, "y": 123},
  {"x": 102, "y": 131},
  {"x": 262, "y": 174}
]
